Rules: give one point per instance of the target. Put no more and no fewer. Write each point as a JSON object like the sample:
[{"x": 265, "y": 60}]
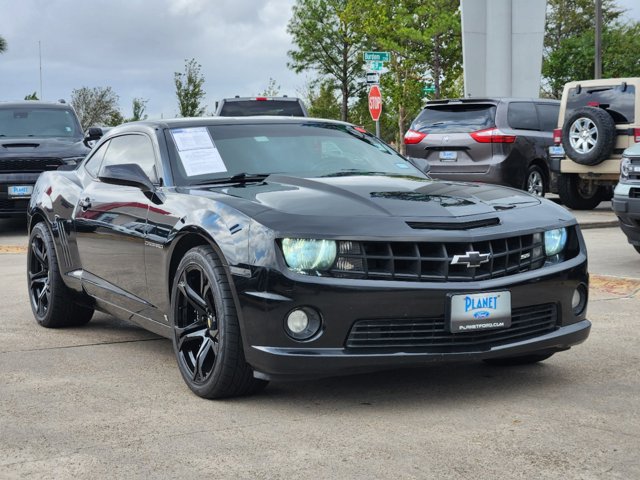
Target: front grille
[
  {"x": 526, "y": 322},
  {"x": 29, "y": 164},
  {"x": 634, "y": 173},
  {"x": 431, "y": 261},
  {"x": 634, "y": 193}
]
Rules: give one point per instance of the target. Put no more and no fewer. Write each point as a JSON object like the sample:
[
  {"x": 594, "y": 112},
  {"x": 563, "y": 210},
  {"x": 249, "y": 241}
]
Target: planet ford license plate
[
  {"x": 20, "y": 190},
  {"x": 448, "y": 156},
  {"x": 475, "y": 312}
]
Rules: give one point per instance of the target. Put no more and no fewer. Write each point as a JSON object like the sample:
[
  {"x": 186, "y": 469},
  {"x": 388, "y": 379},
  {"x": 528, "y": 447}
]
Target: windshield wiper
[{"x": 243, "y": 177}]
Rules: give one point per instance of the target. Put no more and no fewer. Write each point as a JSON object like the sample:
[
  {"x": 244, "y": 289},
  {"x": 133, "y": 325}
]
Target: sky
[{"x": 135, "y": 46}]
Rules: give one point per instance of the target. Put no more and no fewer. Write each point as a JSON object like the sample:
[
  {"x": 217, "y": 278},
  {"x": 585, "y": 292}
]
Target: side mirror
[
  {"x": 420, "y": 163},
  {"x": 93, "y": 135},
  {"x": 127, "y": 174}
]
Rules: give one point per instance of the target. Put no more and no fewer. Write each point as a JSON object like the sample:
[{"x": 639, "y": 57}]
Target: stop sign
[{"x": 375, "y": 103}]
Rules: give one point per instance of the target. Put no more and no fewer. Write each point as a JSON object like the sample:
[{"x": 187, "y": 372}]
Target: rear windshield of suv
[
  {"x": 245, "y": 108},
  {"x": 23, "y": 122},
  {"x": 455, "y": 118},
  {"x": 615, "y": 99}
]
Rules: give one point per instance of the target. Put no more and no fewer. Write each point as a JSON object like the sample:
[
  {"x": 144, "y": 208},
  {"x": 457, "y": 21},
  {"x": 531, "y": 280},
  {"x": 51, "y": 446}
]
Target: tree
[
  {"x": 569, "y": 44},
  {"x": 32, "y": 96},
  {"x": 272, "y": 90},
  {"x": 96, "y": 106},
  {"x": 3, "y": 44},
  {"x": 326, "y": 41},
  {"x": 138, "y": 107},
  {"x": 322, "y": 101},
  {"x": 189, "y": 89}
]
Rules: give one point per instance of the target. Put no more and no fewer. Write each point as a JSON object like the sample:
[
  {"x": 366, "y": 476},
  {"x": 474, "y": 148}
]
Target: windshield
[
  {"x": 38, "y": 122},
  {"x": 246, "y": 108},
  {"x": 463, "y": 118},
  {"x": 304, "y": 150}
]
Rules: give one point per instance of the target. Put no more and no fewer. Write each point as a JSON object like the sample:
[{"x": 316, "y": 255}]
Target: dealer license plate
[
  {"x": 475, "y": 312},
  {"x": 20, "y": 190},
  {"x": 556, "y": 151},
  {"x": 448, "y": 156}
]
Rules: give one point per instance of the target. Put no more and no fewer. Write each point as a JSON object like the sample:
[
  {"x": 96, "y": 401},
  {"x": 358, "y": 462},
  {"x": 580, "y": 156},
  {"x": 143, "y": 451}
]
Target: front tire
[
  {"x": 521, "y": 360},
  {"x": 52, "y": 303},
  {"x": 576, "y": 194},
  {"x": 207, "y": 341}
]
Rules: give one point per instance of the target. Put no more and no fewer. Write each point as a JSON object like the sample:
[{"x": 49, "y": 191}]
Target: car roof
[
  {"x": 255, "y": 120},
  {"x": 35, "y": 103},
  {"x": 260, "y": 98},
  {"x": 494, "y": 100}
]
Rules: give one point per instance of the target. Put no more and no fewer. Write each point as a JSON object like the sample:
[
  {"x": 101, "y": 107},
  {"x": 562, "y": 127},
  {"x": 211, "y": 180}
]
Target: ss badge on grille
[{"x": 471, "y": 259}]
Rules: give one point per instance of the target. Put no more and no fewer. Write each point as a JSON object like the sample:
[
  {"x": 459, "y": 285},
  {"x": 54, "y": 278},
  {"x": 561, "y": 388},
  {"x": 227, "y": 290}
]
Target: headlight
[
  {"x": 555, "y": 241},
  {"x": 625, "y": 168},
  {"x": 72, "y": 160},
  {"x": 303, "y": 254}
]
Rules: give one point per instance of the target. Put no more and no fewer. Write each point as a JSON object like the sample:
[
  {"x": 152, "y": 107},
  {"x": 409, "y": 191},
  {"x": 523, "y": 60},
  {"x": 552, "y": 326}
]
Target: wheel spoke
[
  {"x": 201, "y": 356},
  {"x": 194, "y": 331},
  {"x": 40, "y": 257},
  {"x": 195, "y": 300}
]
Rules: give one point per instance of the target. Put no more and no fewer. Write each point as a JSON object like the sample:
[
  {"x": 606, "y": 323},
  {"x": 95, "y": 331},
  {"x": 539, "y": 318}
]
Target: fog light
[
  {"x": 302, "y": 323},
  {"x": 579, "y": 299}
]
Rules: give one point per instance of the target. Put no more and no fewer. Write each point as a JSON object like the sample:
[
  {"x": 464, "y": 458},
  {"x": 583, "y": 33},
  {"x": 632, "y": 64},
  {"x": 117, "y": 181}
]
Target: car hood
[
  {"x": 41, "y": 147},
  {"x": 372, "y": 196}
]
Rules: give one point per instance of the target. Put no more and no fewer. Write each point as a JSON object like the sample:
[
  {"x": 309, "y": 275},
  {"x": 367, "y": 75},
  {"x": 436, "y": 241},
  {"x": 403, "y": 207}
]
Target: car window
[
  {"x": 25, "y": 121},
  {"x": 618, "y": 100},
  {"x": 548, "y": 115},
  {"x": 93, "y": 162},
  {"x": 462, "y": 118},
  {"x": 523, "y": 116},
  {"x": 132, "y": 149},
  {"x": 244, "y": 108}
]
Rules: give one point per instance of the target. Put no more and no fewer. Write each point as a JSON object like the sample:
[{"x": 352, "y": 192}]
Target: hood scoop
[
  {"x": 487, "y": 222},
  {"x": 20, "y": 145}
]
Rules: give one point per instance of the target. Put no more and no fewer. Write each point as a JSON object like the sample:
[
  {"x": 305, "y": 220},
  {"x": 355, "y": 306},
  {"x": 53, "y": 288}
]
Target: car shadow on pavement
[{"x": 13, "y": 226}]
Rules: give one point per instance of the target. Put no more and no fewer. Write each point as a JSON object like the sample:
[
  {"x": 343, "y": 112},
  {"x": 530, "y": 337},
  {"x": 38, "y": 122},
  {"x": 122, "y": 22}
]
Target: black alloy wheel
[
  {"x": 207, "y": 341},
  {"x": 52, "y": 303}
]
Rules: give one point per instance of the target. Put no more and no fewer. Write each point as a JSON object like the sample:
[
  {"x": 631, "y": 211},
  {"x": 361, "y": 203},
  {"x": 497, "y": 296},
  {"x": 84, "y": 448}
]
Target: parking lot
[{"x": 107, "y": 400}]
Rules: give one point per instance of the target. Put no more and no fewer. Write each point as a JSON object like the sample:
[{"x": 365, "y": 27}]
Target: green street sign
[
  {"x": 428, "y": 89},
  {"x": 376, "y": 66},
  {"x": 377, "y": 56}
]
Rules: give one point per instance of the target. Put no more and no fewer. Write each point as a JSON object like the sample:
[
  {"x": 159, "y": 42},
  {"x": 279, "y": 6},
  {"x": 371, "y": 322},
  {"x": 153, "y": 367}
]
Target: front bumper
[
  {"x": 626, "y": 205},
  {"x": 14, "y": 206},
  {"x": 343, "y": 303}
]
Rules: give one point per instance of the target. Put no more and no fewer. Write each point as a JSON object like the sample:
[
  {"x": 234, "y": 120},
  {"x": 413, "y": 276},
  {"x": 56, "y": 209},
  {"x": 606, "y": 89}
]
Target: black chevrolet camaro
[{"x": 280, "y": 248}]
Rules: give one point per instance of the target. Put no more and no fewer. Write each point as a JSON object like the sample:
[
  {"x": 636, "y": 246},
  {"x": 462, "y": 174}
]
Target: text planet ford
[{"x": 277, "y": 248}]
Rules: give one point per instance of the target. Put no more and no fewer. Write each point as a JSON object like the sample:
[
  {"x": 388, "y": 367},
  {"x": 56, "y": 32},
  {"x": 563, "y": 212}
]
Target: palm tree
[{"x": 3, "y": 44}]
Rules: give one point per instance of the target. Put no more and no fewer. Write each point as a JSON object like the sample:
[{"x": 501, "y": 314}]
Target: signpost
[
  {"x": 377, "y": 56},
  {"x": 375, "y": 106}
]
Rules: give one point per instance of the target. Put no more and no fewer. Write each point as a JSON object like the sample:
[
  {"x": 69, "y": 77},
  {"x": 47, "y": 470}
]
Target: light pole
[{"x": 598, "y": 60}]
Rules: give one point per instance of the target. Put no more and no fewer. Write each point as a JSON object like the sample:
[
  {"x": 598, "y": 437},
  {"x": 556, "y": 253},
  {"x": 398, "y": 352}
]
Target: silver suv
[{"x": 598, "y": 120}]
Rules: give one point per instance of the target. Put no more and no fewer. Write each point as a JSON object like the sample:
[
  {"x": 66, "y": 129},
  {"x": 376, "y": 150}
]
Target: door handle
[{"x": 85, "y": 203}]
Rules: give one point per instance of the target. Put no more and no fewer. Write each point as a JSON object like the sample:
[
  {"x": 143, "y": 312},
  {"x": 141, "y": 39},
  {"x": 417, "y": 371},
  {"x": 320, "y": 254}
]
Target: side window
[
  {"x": 132, "y": 149},
  {"x": 523, "y": 116},
  {"x": 548, "y": 115},
  {"x": 92, "y": 164}
]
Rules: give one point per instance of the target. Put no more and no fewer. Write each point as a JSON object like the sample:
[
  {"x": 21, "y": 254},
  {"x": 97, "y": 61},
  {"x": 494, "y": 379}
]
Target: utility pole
[{"x": 598, "y": 59}]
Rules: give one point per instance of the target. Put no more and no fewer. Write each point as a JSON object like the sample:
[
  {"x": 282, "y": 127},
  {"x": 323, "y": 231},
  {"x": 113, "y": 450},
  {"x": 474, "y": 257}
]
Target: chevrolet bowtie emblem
[{"x": 471, "y": 259}]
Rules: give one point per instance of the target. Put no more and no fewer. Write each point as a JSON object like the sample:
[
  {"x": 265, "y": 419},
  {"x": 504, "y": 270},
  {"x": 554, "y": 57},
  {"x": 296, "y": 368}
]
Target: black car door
[{"x": 110, "y": 222}]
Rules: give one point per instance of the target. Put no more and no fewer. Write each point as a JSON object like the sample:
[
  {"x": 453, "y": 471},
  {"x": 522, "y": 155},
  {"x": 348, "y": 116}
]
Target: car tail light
[
  {"x": 360, "y": 129},
  {"x": 557, "y": 136},
  {"x": 412, "y": 137},
  {"x": 492, "y": 135},
  {"x": 261, "y": 99},
  {"x": 636, "y": 135}
]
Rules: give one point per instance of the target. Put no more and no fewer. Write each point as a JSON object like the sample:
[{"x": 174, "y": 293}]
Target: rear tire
[
  {"x": 589, "y": 135},
  {"x": 574, "y": 193},
  {"x": 52, "y": 303},
  {"x": 535, "y": 182},
  {"x": 207, "y": 340},
  {"x": 521, "y": 360}
]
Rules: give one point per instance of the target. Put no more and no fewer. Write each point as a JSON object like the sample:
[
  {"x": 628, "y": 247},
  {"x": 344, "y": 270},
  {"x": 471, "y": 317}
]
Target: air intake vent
[{"x": 487, "y": 222}]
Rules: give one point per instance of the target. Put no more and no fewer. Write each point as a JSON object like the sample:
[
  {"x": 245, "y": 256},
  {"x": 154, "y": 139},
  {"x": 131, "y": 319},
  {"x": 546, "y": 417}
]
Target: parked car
[
  {"x": 626, "y": 197},
  {"x": 494, "y": 140},
  {"x": 34, "y": 137},
  {"x": 283, "y": 248},
  {"x": 250, "y": 106},
  {"x": 598, "y": 120}
]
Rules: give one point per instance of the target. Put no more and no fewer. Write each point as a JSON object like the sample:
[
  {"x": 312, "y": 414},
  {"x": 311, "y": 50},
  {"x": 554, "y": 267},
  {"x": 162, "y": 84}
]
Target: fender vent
[{"x": 64, "y": 242}]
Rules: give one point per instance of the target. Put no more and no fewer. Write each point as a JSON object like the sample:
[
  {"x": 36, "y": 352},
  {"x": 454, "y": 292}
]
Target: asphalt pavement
[{"x": 107, "y": 401}]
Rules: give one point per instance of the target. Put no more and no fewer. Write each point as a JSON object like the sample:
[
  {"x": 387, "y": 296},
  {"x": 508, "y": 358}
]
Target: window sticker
[
  {"x": 198, "y": 153},
  {"x": 402, "y": 165}
]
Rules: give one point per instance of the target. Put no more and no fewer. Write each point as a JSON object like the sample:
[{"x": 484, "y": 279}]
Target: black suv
[
  {"x": 34, "y": 137},
  {"x": 491, "y": 140},
  {"x": 250, "y": 106}
]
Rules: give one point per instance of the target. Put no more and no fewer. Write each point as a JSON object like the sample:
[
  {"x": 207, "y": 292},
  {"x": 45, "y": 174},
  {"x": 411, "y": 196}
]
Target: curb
[{"x": 606, "y": 224}]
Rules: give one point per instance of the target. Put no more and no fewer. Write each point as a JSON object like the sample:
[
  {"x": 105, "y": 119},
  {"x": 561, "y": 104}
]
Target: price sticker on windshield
[{"x": 198, "y": 153}]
